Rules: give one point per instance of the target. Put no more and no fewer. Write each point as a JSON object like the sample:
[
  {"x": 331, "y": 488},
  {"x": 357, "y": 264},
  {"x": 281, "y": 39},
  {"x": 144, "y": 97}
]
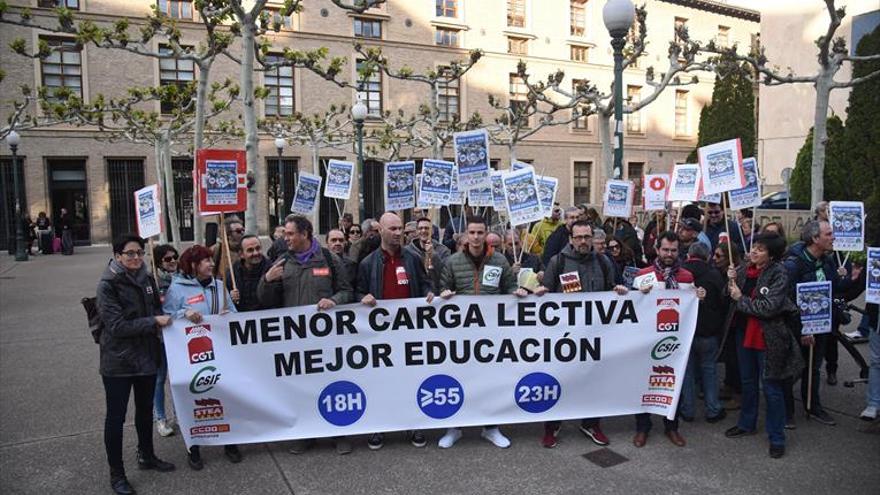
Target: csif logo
[
  {"x": 664, "y": 348},
  {"x": 199, "y": 346},
  {"x": 204, "y": 380},
  {"x": 667, "y": 315}
]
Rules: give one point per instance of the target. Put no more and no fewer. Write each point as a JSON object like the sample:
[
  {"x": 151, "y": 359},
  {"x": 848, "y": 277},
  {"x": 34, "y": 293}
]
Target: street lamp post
[
  {"x": 358, "y": 115},
  {"x": 13, "y": 140},
  {"x": 618, "y": 16},
  {"x": 279, "y": 192}
]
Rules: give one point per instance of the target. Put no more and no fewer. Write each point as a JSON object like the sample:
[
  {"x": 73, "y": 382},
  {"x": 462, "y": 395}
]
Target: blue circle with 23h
[
  {"x": 342, "y": 403},
  {"x": 537, "y": 392}
]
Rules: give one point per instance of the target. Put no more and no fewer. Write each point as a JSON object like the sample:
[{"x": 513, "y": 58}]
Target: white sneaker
[
  {"x": 495, "y": 436},
  {"x": 164, "y": 428},
  {"x": 451, "y": 436},
  {"x": 869, "y": 414}
]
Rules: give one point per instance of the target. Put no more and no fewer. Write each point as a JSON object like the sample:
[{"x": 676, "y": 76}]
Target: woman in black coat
[{"x": 129, "y": 307}]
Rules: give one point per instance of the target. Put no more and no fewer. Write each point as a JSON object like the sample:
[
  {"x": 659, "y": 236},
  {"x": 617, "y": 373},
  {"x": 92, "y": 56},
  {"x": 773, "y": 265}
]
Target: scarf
[
  {"x": 668, "y": 274},
  {"x": 304, "y": 257},
  {"x": 754, "y": 337}
]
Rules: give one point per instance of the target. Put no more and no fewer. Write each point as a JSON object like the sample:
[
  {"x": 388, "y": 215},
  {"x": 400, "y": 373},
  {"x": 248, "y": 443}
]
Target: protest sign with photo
[
  {"x": 339, "y": 175},
  {"x": 400, "y": 190},
  {"x": 517, "y": 165},
  {"x": 472, "y": 158},
  {"x": 814, "y": 303},
  {"x": 547, "y": 187},
  {"x": 222, "y": 179},
  {"x": 148, "y": 211},
  {"x": 480, "y": 197},
  {"x": 685, "y": 182},
  {"x": 872, "y": 280},
  {"x": 456, "y": 195},
  {"x": 435, "y": 186},
  {"x": 618, "y": 198},
  {"x": 305, "y": 198},
  {"x": 521, "y": 191},
  {"x": 847, "y": 220},
  {"x": 654, "y": 189},
  {"x": 721, "y": 167},
  {"x": 749, "y": 196},
  {"x": 498, "y": 197}
]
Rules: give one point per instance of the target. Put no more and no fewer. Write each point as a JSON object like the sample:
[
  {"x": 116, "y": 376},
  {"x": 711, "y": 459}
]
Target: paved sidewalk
[{"x": 52, "y": 411}]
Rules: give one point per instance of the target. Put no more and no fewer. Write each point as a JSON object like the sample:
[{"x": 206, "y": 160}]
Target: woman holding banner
[
  {"x": 766, "y": 348},
  {"x": 195, "y": 292}
]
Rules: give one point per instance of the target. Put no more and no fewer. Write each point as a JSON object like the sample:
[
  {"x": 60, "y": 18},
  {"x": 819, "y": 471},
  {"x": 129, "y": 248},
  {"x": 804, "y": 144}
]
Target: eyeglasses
[
  {"x": 581, "y": 237},
  {"x": 133, "y": 254},
  {"x": 169, "y": 259},
  {"x": 613, "y": 247},
  {"x": 237, "y": 231}
]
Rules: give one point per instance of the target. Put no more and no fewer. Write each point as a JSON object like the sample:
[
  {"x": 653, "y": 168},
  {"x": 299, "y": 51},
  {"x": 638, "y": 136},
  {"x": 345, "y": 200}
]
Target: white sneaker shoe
[
  {"x": 451, "y": 436},
  {"x": 164, "y": 428},
  {"x": 495, "y": 436},
  {"x": 869, "y": 414}
]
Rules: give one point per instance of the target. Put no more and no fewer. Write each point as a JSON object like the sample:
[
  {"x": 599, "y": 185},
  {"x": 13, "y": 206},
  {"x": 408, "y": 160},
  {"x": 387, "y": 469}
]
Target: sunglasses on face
[
  {"x": 169, "y": 259},
  {"x": 352, "y": 232},
  {"x": 613, "y": 246}
]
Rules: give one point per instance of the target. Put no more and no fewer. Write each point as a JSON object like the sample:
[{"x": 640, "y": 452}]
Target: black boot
[
  {"x": 194, "y": 457},
  {"x": 232, "y": 453},
  {"x": 120, "y": 483},
  {"x": 152, "y": 462}
]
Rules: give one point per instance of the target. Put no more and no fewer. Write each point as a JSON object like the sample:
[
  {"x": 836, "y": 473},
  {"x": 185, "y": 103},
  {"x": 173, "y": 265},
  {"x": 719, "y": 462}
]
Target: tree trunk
[
  {"x": 316, "y": 170},
  {"x": 160, "y": 179},
  {"x": 607, "y": 145},
  {"x": 198, "y": 140},
  {"x": 820, "y": 136},
  {"x": 164, "y": 145},
  {"x": 250, "y": 117},
  {"x": 511, "y": 150}
]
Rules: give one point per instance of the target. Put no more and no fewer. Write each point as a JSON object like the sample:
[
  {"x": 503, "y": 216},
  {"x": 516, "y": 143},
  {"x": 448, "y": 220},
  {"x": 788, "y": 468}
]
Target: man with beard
[
  {"x": 336, "y": 245},
  {"x": 559, "y": 238},
  {"x": 431, "y": 253},
  {"x": 248, "y": 270}
]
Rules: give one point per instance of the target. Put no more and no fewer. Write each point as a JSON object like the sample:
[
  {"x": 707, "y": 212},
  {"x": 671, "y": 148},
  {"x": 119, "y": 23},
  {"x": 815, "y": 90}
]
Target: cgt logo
[
  {"x": 208, "y": 410},
  {"x": 658, "y": 400},
  {"x": 667, "y": 315},
  {"x": 200, "y": 346},
  {"x": 664, "y": 348},
  {"x": 662, "y": 379},
  {"x": 208, "y": 430},
  {"x": 204, "y": 380}
]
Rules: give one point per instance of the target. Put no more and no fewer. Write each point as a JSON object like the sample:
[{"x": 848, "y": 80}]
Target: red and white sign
[
  {"x": 221, "y": 176},
  {"x": 655, "y": 187}
]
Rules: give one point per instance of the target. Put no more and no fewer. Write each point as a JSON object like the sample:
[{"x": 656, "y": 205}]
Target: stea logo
[
  {"x": 204, "y": 380},
  {"x": 667, "y": 315},
  {"x": 664, "y": 348},
  {"x": 663, "y": 378},
  {"x": 200, "y": 346},
  {"x": 209, "y": 430},
  {"x": 656, "y": 400},
  {"x": 208, "y": 410}
]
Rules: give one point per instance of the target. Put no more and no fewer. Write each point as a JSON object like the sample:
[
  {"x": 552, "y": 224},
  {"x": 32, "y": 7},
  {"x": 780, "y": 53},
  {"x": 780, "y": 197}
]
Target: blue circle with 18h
[
  {"x": 440, "y": 396},
  {"x": 537, "y": 392},
  {"x": 342, "y": 403}
]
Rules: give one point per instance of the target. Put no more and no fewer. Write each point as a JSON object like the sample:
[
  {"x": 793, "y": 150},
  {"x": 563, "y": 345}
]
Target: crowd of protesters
[{"x": 743, "y": 274}]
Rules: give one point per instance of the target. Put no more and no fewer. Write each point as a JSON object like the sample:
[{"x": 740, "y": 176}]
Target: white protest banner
[
  {"x": 498, "y": 197},
  {"x": 847, "y": 220},
  {"x": 654, "y": 190},
  {"x": 721, "y": 166},
  {"x": 435, "y": 186},
  {"x": 685, "y": 182},
  {"x": 618, "y": 198},
  {"x": 472, "y": 158},
  {"x": 456, "y": 195},
  {"x": 872, "y": 280},
  {"x": 481, "y": 196},
  {"x": 305, "y": 198},
  {"x": 296, "y": 373},
  {"x": 400, "y": 190},
  {"x": 547, "y": 188},
  {"x": 521, "y": 191},
  {"x": 339, "y": 174},
  {"x": 814, "y": 303},
  {"x": 148, "y": 210},
  {"x": 749, "y": 196}
]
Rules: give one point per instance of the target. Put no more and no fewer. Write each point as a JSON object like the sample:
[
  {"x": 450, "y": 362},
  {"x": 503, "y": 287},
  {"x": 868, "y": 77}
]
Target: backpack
[{"x": 96, "y": 325}]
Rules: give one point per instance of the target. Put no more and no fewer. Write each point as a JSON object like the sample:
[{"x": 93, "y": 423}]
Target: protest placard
[
  {"x": 654, "y": 188},
  {"x": 148, "y": 210},
  {"x": 547, "y": 187},
  {"x": 435, "y": 186},
  {"x": 400, "y": 191},
  {"x": 305, "y": 198},
  {"x": 521, "y": 191},
  {"x": 339, "y": 178},
  {"x": 749, "y": 196},
  {"x": 472, "y": 158},
  {"x": 222, "y": 179},
  {"x": 456, "y": 195},
  {"x": 480, "y": 197},
  {"x": 618, "y": 198},
  {"x": 847, "y": 220},
  {"x": 499, "y": 198},
  {"x": 684, "y": 184},
  {"x": 872, "y": 280},
  {"x": 721, "y": 166},
  {"x": 815, "y": 304}
]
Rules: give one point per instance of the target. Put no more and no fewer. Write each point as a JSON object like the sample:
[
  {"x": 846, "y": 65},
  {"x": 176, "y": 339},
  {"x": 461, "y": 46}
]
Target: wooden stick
[
  {"x": 726, "y": 227},
  {"x": 226, "y": 252},
  {"x": 810, "y": 383}
]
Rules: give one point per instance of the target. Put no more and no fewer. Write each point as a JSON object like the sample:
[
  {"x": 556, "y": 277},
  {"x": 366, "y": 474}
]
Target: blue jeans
[
  {"x": 751, "y": 369},
  {"x": 873, "y": 390},
  {"x": 702, "y": 361},
  {"x": 159, "y": 395}
]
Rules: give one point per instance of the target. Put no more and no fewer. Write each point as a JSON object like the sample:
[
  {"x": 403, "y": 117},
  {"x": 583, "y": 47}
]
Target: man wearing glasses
[
  {"x": 715, "y": 226},
  {"x": 234, "y": 234}
]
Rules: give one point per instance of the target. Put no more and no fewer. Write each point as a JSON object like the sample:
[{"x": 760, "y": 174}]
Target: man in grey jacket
[{"x": 431, "y": 253}]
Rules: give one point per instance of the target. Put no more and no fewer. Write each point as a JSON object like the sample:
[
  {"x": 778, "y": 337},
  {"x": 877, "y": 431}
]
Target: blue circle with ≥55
[
  {"x": 537, "y": 392},
  {"x": 440, "y": 396},
  {"x": 342, "y": 403}
]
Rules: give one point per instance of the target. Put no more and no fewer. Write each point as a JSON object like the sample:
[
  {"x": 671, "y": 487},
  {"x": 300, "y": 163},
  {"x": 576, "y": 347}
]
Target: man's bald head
[
  {"x": 391, "y": 231},
  {"x": 493, "y": 239}
]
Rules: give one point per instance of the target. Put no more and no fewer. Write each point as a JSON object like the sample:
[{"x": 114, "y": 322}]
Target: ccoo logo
[
  {"x": 664, "y": 348},
  {"x": 667, "y": 315}
]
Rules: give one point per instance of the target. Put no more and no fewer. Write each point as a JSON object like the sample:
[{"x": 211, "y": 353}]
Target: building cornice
[{"x": 719, "y": 8}]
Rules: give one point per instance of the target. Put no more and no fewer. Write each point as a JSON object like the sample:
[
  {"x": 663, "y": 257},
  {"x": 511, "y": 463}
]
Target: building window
[
  {"x": 371, "y": 92},
  {"x": 279, "y": 82},
  {"x": 51, "y": 4},
  {"x": 680, "y": 22},
  {"x": 581, "y": 123},
  {"x": 63, "y": 67},
  {"x": 275, "y": 17},
  {"x": 446, "y": 37},
  {"x": 634, "y": 173},
  {"x": 447, "y": 8},
  {"x": 518, "y": 94},
  {"x": 722, "y": 39},
  {"x": 367, "y": 28},
  {"x": 517, "y": 46},
  {"x": 582, "y": 183},
  {"x": 516, "y": 13},
  {"x": 173, "y": 70},
  {"x": 634, "y": 119},
  {"x": 579, "y": 53},
  {"x": 578, "y": 22},
  {"x": 176, "y": 9},
  {"x": 447, "y": 99},
  {"x": 681, "y": 113}
]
